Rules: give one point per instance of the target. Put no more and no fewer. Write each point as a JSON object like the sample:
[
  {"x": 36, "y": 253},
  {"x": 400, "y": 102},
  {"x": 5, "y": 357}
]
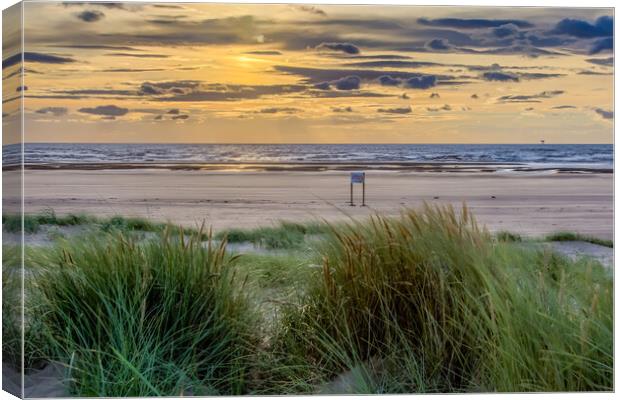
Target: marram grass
[
  {"x": 159, "y": 317},
  {"x": 426, "y": 302}
]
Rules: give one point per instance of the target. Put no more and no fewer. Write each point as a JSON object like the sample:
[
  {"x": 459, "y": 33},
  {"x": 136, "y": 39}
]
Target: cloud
[
  {"x": 602, "y": 45},
  {"x": 55, "y": 111},
  {"x": 34, "y": 57},
  {"x": 182, "y": 116},
  {"x": 603, "y": 26},
  {"x": 387, "y": 80},
  {"x": 505, "y": 30},
  {"x": 264, "y": 52},
  {"x": 138, "y": 55},
  {"x": 168, "y": 87},
  {"x": 404, "y": 96},
  {"x": 21, "y": 88},
  {"x": 396, "y": 110},
  {"x": 174, "y": 111},
  {"x": 96, "y": 47},
  {"x": 434, "y": 95},
  {"x": 499, "y": 76},
  {"x": 158, "y": 117},
  {"x": 108, "y": 111},
  {"x": 438, "y": 44},
  {"x": 566, "y": 107},
  {"x": 416, "y": 82},
  {"x": 445, "y": 107},
  {"x": 90, "y": 15},
  {"x": 217, "y": 91},
  {"x": 347, "y": 48},
  {"x": 474, "y": 96},
  {"x": 279, "y": 110},
  {"x": 342, "y": 109},
  {"x": 347, "y": 83},
  {"x": 608, "y": 62},
  {"x": 421, "y": 82},
  {"x": 606, "y": 114},
  {"x": 460, "y": 23},
  {"x": 532, "y": 98},
  {"x": 394, "y": 64}
]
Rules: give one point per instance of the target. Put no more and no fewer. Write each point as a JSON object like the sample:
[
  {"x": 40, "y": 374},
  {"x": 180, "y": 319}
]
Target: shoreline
[{"x": 413, "y": 166}]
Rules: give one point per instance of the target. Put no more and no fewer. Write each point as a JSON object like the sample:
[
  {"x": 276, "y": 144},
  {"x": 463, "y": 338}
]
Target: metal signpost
[{"x": 359, "y": 177}]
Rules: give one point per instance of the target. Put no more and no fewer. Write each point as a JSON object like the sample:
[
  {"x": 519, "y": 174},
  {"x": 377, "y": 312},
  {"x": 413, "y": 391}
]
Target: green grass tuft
[
  {"x": 161, "y": 317},
  {"x": 572, "y": 236},
  {"x": 440, "y": 307},
  {"x": 286, "y": 235}
]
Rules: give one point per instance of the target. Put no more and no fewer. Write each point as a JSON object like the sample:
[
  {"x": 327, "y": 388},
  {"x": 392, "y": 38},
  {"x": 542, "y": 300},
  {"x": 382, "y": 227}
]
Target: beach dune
[{"x": 528, "y": 203}]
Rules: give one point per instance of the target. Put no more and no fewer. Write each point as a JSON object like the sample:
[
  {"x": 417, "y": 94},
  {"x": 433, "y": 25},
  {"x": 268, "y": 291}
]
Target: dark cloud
[
  {"x": 421, "y": 82},
  {"x": 108, "y": 111},
  {"x": 602, "y": 45},
  {"x": 342, "y": 109},
  {"x": 219, "y": 92},
  {"x": 387, "y": 80},
  {"x": 351, "y": 82},
  {"x": 158, "y": 117},
  {"x": 603, "y": 26},
  {"x": 108, "y": 5},
  {"x": 380, "y": 57},
  {"x": 588, "y": 72},
  {"x": 264, "y": 52},
  {"x": 174, "y": 111},
  {"x": 55, "y": 111},
  {"x": 438, "y": 44},
  {"x": 434, "y": 95},
  {"x": 90, "y": 15},
  {"x": 404, "y": 96},
  {"x": 182, "y": 116},
  {"x": 279, "y": 110},
  {"x": 21, "y": 88},
  {"x": 35, "y": 58},
  {"x": 96, "y": 47},
  {"x": 566, "y": 107},
  {"x": 608, "y": 62},
  {"x": 168, "y": 87},
  {"x": 138, "y": 55},
  {"x": 460, "y": 23},
  {"x": 532, "y": 98},
  {"x": 499, "y": 76},
  {"x": 606, "y": 114},
  {"x": 445, "y": 107},
  {"x": 396, "y": 110},
  {"x": 505, "y": 30},
  {"x": 416, "y": 82},
  {"x": 133, "y": 70},
  {"x": 347, "y": 48},
  {"x": 347, "y": 83},
  {"x": 393, "y": 64},
  {"x": 474, "y": 96}
]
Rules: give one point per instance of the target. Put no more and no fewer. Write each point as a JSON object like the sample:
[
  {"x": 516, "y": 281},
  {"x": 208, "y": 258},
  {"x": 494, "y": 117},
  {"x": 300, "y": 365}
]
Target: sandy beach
[{"x": 533, "y": 203}]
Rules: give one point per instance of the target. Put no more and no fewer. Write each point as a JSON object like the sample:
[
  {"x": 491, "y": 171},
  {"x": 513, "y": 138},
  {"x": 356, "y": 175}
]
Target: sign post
[{"x": 359, "y": 177}]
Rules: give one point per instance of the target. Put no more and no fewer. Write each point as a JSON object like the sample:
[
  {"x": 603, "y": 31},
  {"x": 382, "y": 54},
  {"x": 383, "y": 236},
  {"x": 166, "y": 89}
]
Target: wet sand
[{"x": 531, "y": 203}]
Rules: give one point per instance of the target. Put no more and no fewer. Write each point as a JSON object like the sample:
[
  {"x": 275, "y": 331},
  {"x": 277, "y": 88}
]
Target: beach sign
[{"x": 358, "y": 177}]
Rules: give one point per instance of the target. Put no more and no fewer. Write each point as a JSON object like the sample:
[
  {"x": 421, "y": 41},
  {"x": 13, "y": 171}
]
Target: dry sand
[{"x": 531, "y": 203}]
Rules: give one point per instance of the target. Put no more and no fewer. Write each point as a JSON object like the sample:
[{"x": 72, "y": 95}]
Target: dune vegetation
[{"x": 425, "y": 302}]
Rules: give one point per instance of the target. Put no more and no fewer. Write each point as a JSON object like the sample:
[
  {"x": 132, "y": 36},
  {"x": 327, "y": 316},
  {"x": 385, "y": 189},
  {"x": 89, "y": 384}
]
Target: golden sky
[{"x": 232, "y": 73}]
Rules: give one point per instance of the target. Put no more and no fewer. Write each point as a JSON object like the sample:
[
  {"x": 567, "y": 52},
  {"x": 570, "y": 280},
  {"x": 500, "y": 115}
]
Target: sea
[{"x": 591, "y": 156}]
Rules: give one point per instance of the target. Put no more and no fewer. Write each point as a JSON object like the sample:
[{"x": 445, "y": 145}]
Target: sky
[{"x": 234, "y": 73}]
